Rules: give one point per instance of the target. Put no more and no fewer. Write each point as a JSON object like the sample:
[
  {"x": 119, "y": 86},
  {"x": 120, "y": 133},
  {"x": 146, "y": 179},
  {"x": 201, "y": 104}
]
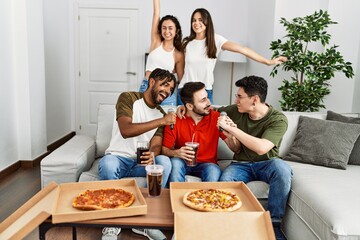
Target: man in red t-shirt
[{"x": 199, "y": 125}]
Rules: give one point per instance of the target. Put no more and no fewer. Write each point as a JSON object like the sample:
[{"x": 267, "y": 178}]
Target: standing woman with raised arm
[
  {"x": 165, "y": 49},
  {"x": 202, "y": 48}
]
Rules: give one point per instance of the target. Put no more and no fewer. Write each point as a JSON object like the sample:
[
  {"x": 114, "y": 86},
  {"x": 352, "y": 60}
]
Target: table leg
[
  {"x": 74, "y": 233},
  {"x": 43, "y": 228}
]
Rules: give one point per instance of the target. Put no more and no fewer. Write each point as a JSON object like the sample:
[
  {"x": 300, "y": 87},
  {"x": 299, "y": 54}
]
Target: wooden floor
[
  {"x": 20, "y": 186},
  {"x": 17, "y": 188}
]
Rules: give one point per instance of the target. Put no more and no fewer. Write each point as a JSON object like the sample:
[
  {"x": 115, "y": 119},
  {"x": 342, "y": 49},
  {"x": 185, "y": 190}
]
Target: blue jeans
[
  {"x": 117, "y": 167},
  {"x": 275, "y": 172},
  {"x": 209, "y": 92},
  {"x": 169, "y": 101},
  {"x": 208, "y": 172}
]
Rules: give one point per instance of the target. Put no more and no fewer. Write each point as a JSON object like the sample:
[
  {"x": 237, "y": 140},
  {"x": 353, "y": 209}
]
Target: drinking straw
[
  {"x": 153, "y": 157},
  {"x": 193, "y": 136}
]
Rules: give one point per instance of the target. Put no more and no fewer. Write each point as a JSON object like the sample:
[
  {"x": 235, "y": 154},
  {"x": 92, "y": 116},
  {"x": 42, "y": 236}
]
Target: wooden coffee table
[{"x": 159, "y": 216}]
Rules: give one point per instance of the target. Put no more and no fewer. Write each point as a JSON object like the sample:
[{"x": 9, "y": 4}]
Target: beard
[
  {"x": 155, "y": 96},
  {"x": 202, "y": 112}
]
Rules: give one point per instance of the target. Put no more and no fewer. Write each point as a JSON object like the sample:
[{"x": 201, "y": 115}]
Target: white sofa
[{"x": 323, "y": 202}]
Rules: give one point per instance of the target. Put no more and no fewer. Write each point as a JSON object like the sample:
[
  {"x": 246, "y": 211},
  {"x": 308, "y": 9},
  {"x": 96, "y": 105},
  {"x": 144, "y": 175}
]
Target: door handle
[{"x": 131, "y": 73}]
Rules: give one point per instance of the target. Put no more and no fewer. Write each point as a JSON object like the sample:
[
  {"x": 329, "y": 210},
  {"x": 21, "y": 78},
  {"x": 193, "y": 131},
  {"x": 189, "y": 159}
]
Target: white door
[{"x": 107, "y": 61}]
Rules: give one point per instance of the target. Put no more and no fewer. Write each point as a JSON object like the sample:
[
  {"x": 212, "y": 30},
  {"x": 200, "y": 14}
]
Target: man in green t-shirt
[{"x": 259, "y": 129}]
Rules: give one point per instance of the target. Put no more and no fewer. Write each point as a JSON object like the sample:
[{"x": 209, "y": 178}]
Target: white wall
[
  {"x": 260, "y": 33},
  {"x": 8, "y": 130},
  {"x": 23, "y": 121},
  {"x": 346, "y": 34},
  {"x": 59, "y": 64},
  {"x": 356, "y": 92},
  {"x": 36, "y": 80}
]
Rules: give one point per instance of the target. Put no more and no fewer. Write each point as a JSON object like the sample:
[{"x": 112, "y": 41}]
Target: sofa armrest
[{"x": 67, "y": 162}]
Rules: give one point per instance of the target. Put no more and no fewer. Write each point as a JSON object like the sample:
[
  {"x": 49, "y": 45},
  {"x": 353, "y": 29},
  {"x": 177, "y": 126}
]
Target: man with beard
[
  {"x": 139, "y": 118},
  {"x": 199, "y": 125}
]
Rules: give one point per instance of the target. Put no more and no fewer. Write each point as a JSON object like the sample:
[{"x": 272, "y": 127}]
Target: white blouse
[{"x": 198, "y": 66}]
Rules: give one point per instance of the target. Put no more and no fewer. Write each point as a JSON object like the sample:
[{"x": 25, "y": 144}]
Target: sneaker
[
  {"x": 152, "y": 234},
  {"x": 110, "y": 233}
]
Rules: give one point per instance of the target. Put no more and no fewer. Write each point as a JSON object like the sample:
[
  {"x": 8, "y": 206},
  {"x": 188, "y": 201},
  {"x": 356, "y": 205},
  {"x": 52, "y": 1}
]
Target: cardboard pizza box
[
  {"x": 229, "y": 226},
  {"x": 30, "y": 215},
  {"x": 56, "y": 200},
  {"x": 250, "y": 221},
  {"x": 64, "y": 212},
  {"x": 179, "y": 189}
]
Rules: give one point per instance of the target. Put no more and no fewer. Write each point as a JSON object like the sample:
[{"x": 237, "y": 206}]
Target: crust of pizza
[
  {"x": 100, "y": 199},
  {"x": 212, "y": 200}
]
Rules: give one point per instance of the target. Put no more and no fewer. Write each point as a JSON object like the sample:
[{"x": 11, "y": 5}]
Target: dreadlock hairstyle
[
  {"x": 210, "y": 32},
  {"x": 163, "y": 76},
  {"x": 178, "y": 37},
  {"x": 254, "y": 85}
]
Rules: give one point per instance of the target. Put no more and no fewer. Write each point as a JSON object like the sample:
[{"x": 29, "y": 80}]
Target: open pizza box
[
  {"x": 56, "y": 200},
  {"x": 179, "y": 189},
  {"x": 250, "y": 221},
  {"x": 227, "y": 225}
]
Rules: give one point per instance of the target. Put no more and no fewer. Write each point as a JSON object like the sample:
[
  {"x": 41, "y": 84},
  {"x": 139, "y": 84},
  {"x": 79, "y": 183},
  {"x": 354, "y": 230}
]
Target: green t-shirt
[{"x": 271, "y": 127}]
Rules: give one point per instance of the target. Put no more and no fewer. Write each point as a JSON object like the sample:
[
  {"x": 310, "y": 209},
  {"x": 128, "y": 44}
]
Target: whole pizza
[
  {"x": 110, "y": 198},
  {"x": 212, "y": 200}
]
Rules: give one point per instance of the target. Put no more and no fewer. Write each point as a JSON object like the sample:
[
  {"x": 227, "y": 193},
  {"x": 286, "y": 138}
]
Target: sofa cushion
[
  {"x": 322, "y": 142},
  {"x": 259, "y": 189},
  {"x": 293, "y": 121},
  {"x": 106, "y": 117},
  {"x": 93, "y": 175},
  {"x": 327, "y": 200},
  {"x": 355, "y": 153}
]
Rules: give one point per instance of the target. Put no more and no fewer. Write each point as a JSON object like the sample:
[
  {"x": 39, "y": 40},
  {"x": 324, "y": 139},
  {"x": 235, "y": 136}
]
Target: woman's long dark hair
[
  {"x": 178, "y": 37},
  {"x": 210, "y": 32}
]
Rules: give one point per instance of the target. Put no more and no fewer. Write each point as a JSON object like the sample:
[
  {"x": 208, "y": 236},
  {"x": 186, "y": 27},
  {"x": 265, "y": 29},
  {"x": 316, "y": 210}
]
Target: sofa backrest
[{"x": 106, "y": 120}]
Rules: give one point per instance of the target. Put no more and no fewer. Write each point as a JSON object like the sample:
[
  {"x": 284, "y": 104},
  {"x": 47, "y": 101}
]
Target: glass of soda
[
  {"x": 154, "y": 175},
  {"x": 195, "y": 147},
  {"x": 141, "y": 147}
]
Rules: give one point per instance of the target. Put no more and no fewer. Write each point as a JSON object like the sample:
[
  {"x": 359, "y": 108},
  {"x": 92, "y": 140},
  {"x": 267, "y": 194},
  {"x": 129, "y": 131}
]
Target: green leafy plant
[{"x": 312, "y": 70}]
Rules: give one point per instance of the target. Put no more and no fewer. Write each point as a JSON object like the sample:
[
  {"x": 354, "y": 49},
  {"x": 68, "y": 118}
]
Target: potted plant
[{"x": 312, "y": 70}]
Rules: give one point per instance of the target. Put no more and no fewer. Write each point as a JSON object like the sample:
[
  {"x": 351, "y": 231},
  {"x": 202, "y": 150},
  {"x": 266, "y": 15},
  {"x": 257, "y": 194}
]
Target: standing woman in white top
[
  {"x": 165, "y": 49},
  {"x": 202, "y": 48}
]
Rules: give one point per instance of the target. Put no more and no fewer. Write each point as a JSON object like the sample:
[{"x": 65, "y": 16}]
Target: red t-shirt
[{"x": 205, "y": 133}]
